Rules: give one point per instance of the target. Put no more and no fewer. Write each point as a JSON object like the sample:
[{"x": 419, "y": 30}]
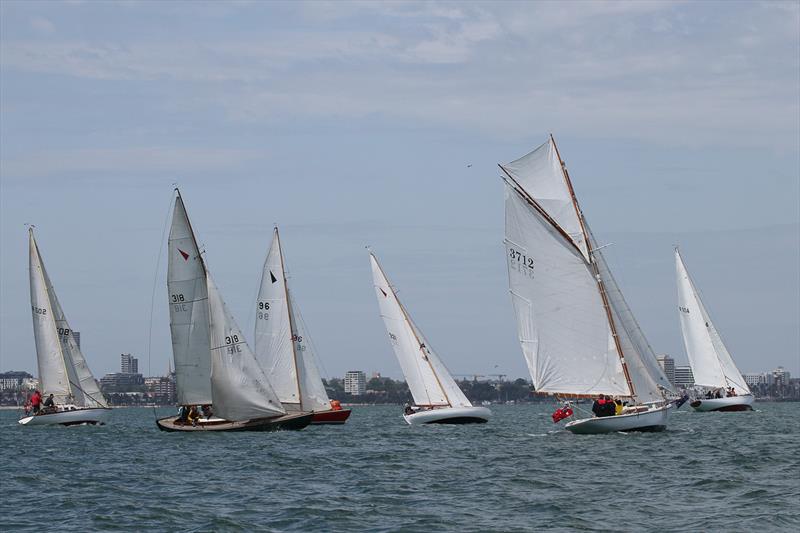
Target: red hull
[{"x": 331, "y": 417}]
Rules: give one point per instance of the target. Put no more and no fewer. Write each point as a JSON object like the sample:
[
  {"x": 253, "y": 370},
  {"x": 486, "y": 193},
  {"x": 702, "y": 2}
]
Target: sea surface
[{"x": 520, "y": 472}]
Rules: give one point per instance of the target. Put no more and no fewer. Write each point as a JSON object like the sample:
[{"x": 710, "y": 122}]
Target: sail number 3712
[{"x": 520, "y": 262}]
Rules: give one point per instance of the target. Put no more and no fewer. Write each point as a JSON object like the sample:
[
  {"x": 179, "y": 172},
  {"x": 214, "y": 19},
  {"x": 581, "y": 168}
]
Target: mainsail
[
  {"x": 428, "y": 379},
  {"x": 712, "y": 365},
  {"x": 188, "y": 311},
  {"x": 281, "y": 344},
  {"x": 577, "y": 333},
  {"x": 62, "y": 368}
]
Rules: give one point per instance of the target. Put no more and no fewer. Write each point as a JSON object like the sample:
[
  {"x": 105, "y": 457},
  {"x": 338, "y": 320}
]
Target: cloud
[
  {"x": 665, "y": 71},
  {"x": 42, "y": 25}
]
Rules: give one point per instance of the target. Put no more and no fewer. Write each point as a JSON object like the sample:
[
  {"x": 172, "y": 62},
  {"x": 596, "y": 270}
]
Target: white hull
[
  {"x": 654, "y": 419},
  {"x": 450, "y": 415},
  {"x": 68, "y": 418},
  {"x": 729, "y": 403}
]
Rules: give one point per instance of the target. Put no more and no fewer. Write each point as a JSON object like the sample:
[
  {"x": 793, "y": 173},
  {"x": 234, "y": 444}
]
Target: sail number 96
[{"x": 263, "y": 307}]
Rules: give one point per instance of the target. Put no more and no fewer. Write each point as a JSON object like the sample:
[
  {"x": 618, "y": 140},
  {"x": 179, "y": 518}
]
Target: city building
[
  {"x": 162, "y": 387},
  {"x": 15, "y": 380},
  {"x": 122, "y": 382},
  {"x": 780, "y": 377},
  {"x": 684, "y": 377},
  {"x": 754, "y": 380},
  {"x": 355, "y": 382},
  {"x": 667, "y": 364},
  {"x": 129, "y": 364}
]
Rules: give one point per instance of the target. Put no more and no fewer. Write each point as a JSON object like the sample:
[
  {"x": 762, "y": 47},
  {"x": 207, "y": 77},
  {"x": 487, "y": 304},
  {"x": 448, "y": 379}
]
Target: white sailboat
[
  {"x": 63, "y": 371},
  {"x": 712, "y": 365},
  {"x": 283, "y": 348},
  {"x": 214, "y": 366},
  {"x": 578, "y": 335},
  {"x": 437, "y": 397}
]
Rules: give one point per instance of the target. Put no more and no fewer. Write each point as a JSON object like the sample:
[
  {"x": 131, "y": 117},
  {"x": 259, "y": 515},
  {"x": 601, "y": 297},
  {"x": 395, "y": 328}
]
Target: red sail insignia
[{"x": 184, "y": 254}]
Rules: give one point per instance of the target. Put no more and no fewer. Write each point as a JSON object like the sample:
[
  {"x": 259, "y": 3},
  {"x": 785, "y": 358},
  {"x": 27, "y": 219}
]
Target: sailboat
[
  {"x": 437, "y": 397},
  {"x": 214, "y": 366},
  {"x": 283, "y": 347},
  {"x": 712, "y": 365},
  {"x": 63, "y": 371},
  {"x": 578, "y": 335}
]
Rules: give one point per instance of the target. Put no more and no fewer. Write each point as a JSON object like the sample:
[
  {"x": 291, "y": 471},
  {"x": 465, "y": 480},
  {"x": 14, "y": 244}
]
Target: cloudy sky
[{"x": 381, "y": 123}]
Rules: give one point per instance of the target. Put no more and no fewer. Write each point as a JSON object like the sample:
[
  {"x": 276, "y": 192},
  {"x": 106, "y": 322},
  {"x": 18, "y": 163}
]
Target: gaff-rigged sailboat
[
  {"x": 437, "y": 397},
  {"x": 63, "y": 371},
  {"x": 282, "y": 346},
  {"x": 577, "y": 333},
  {"x": 214, "y": 366},
  {"x": 712, "y": 365}
]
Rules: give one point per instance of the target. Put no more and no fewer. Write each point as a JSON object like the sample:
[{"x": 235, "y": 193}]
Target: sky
[{"x": 381, "y": 123}]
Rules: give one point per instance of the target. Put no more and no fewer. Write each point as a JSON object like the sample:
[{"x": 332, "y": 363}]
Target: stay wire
[{"x": 153, "y": 292}]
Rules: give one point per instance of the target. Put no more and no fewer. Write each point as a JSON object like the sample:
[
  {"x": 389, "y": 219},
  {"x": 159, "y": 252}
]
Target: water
[{"x": 710, "y": 471}]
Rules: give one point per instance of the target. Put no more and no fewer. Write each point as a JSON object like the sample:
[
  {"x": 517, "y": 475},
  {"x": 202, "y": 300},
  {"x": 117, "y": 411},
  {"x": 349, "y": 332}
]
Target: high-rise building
[
  {"x": 754, "y": 380},
  {"x": 129, "y": 364},
  {"x": 780, "y": 377},
  {"x": 667, "y": 364},
  {"x": 684, "y": 377},
  {"x": 355, "y": 382}
]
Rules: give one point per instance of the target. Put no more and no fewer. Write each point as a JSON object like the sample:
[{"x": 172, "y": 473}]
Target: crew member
[
  {"x": 50, "y": 403},
  {"x": 36, "y": 402}
]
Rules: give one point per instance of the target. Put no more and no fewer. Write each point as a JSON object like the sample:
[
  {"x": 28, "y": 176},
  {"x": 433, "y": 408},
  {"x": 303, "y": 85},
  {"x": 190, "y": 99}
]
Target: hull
[
  {"x": 286, "y": 422},
  {"x": 450, "y": 415},
  {"x": 653, "y": 419},
  {"x": 730, "y": 403},
  {"x": 339, "y": 416},
  {"x": 93, "y": 416}
]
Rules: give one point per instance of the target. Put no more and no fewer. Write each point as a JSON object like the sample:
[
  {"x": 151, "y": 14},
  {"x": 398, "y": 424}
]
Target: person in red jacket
[{"x": 36, "y": 402}]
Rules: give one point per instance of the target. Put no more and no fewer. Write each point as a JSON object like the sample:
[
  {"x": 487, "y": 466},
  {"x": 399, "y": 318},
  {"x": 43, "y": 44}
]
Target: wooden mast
[
  {"x": 600, "y": 285},
  {"x": 414, "y": 331},
  {"x": 292, "y": 330}
]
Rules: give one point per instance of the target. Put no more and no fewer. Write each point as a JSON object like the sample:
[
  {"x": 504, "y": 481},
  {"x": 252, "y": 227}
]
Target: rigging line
[
  {"x": 310, "y": 339},
  {"x": 85, "y": 393},
  {"x": 153, "y": 293}
]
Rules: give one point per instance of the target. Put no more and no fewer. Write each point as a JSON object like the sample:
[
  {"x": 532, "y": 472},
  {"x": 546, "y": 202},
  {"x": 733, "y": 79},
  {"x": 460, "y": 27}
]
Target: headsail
[
  {"x": 188, "y": 311},
  {"x": 712, "y": 365},
  {"x": 240, "y": 389},
  {"x": 312, "y": 391},
  {"x": 428, "y": 379}
]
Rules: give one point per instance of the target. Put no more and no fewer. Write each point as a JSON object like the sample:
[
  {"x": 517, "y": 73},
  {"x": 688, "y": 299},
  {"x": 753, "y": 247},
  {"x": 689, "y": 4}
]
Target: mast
[
  {"x": 600, "y": 285},
  {"x": 292, "y": 330},
  {"x": 52, "y": 315},
  {"x": 414, "y": 331}
]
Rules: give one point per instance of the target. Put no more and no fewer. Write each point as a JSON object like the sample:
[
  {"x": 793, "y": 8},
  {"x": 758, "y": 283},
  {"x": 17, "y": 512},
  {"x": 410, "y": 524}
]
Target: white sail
[
  {"x": 239, "y": 387},
  {"x": 712, "y": 365},
  {"x": 428, "y": 379},
  {"x": 274, "y": 345},
  {"x": 562, "y": 323},
  {"x": 646, "y": 375},
  {"x": 540, "y": 172},
  {"x": 188, "y": 311},
  {"x": 54, "y": 377},
  {"x": 312, "y": 391},
  {"x": 63, "y": 370},
  {"x": 85, "y": 389}
]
